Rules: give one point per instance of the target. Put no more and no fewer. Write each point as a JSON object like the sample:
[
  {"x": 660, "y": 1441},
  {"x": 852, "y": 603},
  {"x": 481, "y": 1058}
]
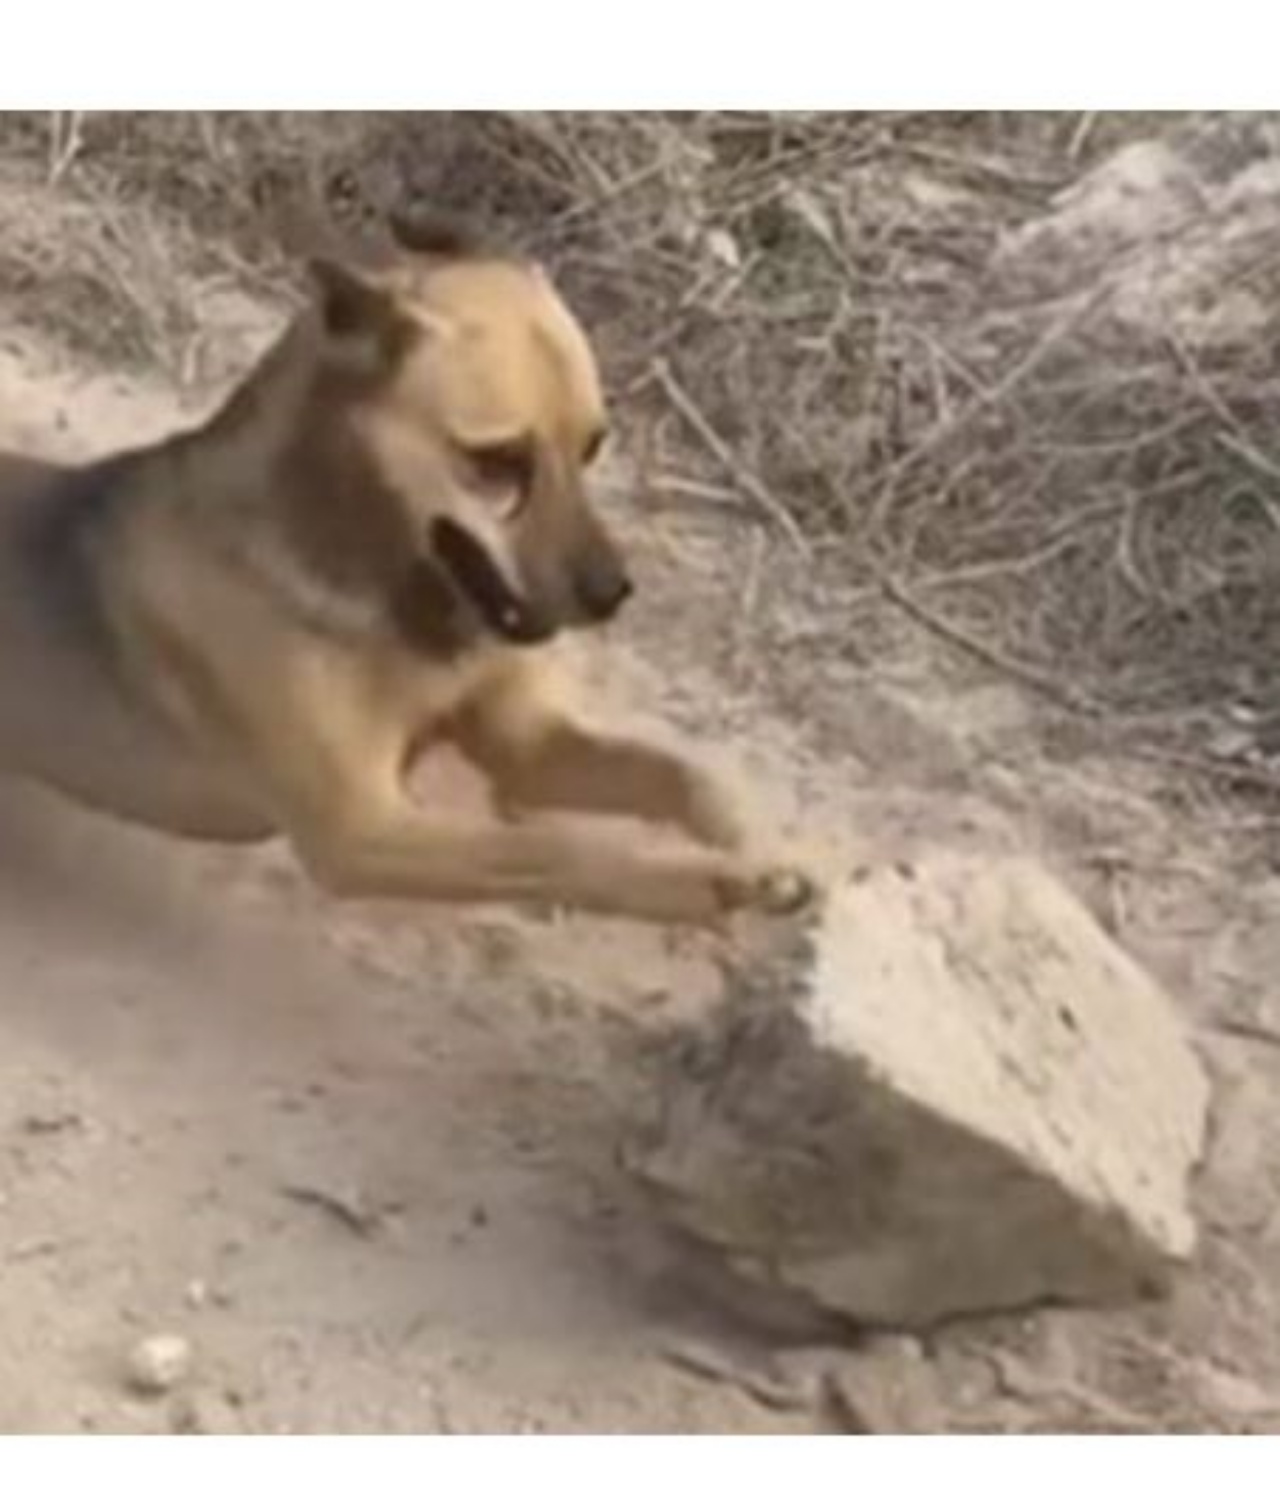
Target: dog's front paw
[
  {"x": 768, "y": 891},
  {"x": 784, "y": 891}
]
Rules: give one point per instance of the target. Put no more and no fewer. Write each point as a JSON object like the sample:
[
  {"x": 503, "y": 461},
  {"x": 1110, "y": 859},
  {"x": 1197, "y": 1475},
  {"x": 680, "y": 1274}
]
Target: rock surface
[{"x": 947, "y": 1092}]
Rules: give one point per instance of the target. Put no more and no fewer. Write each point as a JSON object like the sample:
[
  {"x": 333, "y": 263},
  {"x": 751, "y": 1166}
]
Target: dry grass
[{"x": 809, "y": 317}]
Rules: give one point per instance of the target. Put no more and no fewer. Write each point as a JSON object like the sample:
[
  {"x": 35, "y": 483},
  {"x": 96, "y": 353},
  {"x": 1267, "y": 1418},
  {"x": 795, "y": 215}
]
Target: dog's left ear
[{"x": 360, "y": 316}]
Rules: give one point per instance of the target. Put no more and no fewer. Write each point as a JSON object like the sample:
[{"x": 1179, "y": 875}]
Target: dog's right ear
[{"x": 360, "y": 317}]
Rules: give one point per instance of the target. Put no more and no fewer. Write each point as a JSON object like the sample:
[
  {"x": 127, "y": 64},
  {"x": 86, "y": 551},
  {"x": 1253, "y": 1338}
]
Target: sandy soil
[{"x": 363, "y": 1160}]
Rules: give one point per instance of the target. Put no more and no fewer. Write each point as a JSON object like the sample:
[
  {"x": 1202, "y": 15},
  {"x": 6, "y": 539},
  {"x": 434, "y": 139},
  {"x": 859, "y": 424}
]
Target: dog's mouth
[{"x": 475, "y": 574}]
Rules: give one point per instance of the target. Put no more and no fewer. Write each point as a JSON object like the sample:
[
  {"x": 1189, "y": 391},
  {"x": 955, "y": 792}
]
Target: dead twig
[
  {"x": 66, "y": 138},
  {"x": 766, "y": 504},
  {"x": 1022, "y": 563},
  {"x": 1029, "y": 676},
  {"x": 1237, "y": 773},
  {"x": 722, "y": 498},
  {"x": 354, "y": 1214},
  {"x": 745, "y": 617},
  {"x": 1080, "y": 136},
  {"x": 1001, "y": 172},
  {"x": 1077, "y": 310}
]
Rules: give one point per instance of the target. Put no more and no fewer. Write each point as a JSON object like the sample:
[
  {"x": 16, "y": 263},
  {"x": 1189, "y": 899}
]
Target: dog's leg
[
  {"x": 401, "y": 854},
  {"x": 537, "y": 755},
  {"x": 340, "y": 795}
]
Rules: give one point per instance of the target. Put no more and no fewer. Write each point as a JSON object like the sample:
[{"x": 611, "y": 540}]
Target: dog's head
[{"x": 472, "y": 400}]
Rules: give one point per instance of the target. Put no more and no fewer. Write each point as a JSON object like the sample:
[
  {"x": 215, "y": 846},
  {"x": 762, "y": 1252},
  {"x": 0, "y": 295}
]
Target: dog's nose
[{"x": 603, "y": 592}]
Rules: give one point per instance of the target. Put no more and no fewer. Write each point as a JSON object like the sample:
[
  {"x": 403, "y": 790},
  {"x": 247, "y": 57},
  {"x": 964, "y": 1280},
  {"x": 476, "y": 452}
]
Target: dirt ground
[{"x": 364, "y": 1160}]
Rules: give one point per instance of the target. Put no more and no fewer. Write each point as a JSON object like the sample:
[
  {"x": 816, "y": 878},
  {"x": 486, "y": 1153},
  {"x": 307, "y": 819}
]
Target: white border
[
  {"x": 1075, "y": 54},
  {"x": 841, "y": 54}
]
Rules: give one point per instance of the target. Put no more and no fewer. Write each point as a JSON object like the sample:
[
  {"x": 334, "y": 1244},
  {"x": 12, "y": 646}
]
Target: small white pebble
[{"x": 157, "y": 1364}]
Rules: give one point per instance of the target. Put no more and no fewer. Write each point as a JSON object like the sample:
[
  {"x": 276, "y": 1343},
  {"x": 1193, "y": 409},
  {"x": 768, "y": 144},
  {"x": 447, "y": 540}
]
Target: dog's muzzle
[
  {"x": 477, "y": 576},
  {"x": 601, "y": 593}
]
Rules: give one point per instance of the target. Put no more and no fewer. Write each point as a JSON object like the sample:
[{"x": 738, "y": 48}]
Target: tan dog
[{"x": 255, "y": 627}]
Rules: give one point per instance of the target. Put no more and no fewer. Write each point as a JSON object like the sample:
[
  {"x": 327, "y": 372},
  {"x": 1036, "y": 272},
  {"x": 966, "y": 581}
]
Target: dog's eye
[
  {"x": 594, "y": 444},
  {"x": 504, "y": 472}
]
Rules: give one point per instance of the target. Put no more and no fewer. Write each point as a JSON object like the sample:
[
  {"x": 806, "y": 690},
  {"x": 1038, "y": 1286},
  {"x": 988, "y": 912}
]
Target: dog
[{"x": 381, "y": 542}]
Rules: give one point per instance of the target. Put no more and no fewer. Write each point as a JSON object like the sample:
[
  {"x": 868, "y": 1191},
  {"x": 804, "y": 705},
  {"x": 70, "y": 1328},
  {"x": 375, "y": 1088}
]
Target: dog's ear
[{"x": 360, "y": 316}]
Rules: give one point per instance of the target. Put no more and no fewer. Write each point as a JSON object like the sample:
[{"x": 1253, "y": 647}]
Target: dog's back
[{"x": 59, "y": 659}]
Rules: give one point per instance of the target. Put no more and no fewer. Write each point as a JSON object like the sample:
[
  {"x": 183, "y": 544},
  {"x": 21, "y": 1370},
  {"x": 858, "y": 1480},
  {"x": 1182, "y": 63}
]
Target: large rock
[
  {"x": 1171, "y": 228},
  {"x": 949, "y": 1091}
]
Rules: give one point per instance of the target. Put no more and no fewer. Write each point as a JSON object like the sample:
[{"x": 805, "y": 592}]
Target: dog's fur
[{"x": 256, "y": 626}]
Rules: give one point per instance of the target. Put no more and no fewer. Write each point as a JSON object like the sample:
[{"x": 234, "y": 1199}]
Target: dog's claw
[
  {"x": 769, "y": 891},
  {"x": 784, "y": 891}
]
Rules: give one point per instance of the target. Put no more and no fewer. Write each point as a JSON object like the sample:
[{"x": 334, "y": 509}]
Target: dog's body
[{"x": 255, "y": 627}]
